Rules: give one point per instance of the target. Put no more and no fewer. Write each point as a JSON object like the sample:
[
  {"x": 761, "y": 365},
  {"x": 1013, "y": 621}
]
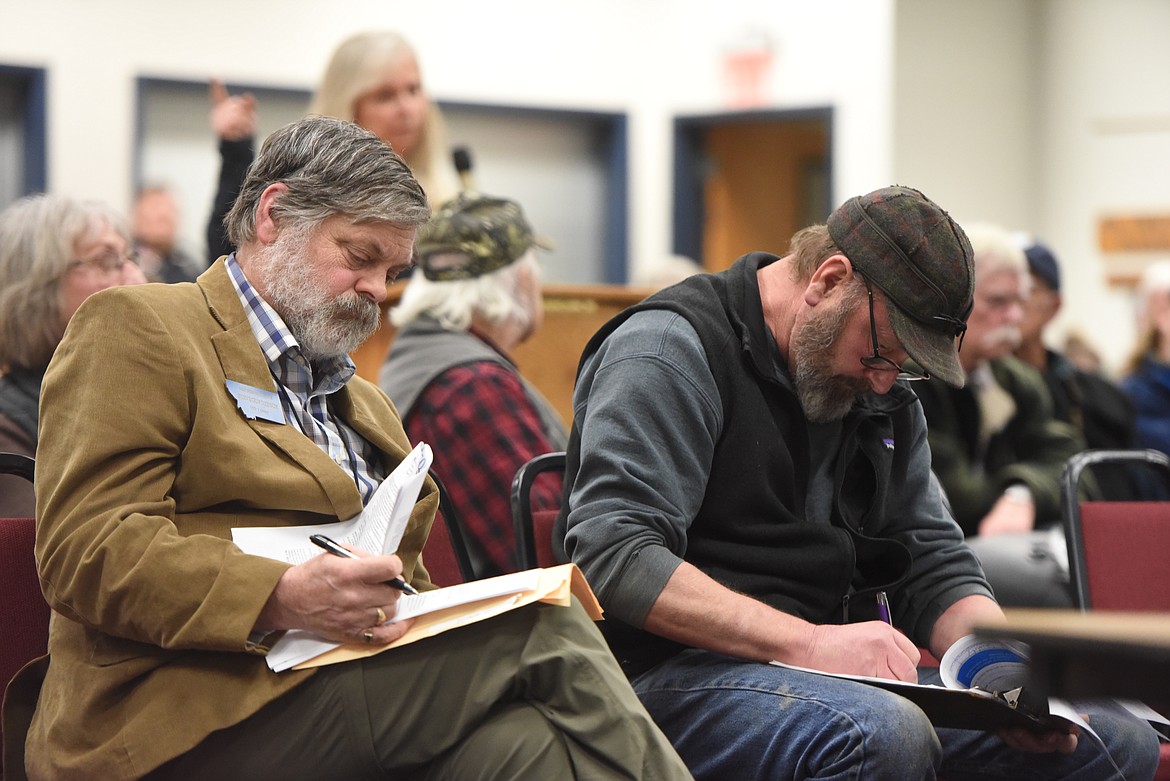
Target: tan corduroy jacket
[{"x": 145, "y": 464}]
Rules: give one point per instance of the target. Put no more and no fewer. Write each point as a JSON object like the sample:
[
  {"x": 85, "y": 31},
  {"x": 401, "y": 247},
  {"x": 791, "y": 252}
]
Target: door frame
[{"x": 690, "y": 163}]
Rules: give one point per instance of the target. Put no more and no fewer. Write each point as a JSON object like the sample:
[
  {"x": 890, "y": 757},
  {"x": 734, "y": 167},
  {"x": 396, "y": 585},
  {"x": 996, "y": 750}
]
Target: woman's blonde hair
[
  {"x": 38, "y": 235},
  {"x": 358, "y": 65}
]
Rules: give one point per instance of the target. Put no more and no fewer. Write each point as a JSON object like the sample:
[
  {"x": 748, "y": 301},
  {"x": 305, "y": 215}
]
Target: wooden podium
[
  {"x": 1098, "y": 653},
  {"x": 572, "y": 313}
]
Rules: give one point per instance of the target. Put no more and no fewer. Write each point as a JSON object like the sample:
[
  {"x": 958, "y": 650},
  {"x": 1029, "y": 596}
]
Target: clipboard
[{"x": 960, "y": 708}]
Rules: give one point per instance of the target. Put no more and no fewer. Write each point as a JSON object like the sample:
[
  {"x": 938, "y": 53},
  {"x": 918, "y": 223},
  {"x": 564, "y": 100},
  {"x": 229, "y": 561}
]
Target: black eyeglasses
[
  {"x": 880, "y": 362},
  {"x": 108, "y": 262}
]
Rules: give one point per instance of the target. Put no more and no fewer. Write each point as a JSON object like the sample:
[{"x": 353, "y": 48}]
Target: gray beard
[
  {"x": 824, "y": 396},
  {"x": 325, "y": 326}
]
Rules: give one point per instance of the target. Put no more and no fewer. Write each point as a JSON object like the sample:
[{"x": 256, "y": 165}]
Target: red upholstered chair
[
  {"x": 533, "y": 526},
  {"x": 1119, "y": 551},
  {"x": 445, "y": 553},
  {"x": 24, "y": 614}
]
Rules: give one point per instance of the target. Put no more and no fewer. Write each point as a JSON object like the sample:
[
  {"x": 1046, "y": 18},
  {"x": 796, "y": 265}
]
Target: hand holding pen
[
  {"x": 321, "y": 541},
  {"x": 368, "y": 634},
  {"x": 342, "y": 601}
]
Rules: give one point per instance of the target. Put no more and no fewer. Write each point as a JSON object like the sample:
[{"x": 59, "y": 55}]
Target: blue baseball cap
[{"x": 1042, "y": 263}]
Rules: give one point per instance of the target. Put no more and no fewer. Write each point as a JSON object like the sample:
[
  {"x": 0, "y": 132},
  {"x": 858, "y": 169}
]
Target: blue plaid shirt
[{"x": 304, "y": 389}]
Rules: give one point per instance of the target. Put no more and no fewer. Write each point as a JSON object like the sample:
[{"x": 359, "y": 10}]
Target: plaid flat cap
[{"x": 912, "y": 250}]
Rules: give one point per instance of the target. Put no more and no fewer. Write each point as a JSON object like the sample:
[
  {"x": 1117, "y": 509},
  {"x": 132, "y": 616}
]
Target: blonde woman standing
[{"x": 373, "y": 79}]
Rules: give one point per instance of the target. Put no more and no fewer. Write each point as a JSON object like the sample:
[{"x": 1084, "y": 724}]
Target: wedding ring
[
  {"x": 368, "y": 636},
  {"x": 381, "y": 616}
]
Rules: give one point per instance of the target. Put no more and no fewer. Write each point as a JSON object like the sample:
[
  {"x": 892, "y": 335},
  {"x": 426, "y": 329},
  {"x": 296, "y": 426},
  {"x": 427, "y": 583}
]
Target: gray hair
[
  {"x": 38, "y": 234},
  {"x": 996, "y": 249},
  {"x": 495, "y": 296},
  {"x": 330, "y": 167}
]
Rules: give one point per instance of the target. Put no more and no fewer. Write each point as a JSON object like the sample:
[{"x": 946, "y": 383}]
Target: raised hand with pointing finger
[{"x": 233, "y": 117}]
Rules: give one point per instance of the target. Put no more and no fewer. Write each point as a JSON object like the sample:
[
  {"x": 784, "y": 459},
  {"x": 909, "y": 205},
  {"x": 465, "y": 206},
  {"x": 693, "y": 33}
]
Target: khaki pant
[{"x": 531, "y": 694}]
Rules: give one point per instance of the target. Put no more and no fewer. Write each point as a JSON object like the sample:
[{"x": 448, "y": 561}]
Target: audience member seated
[
  {"x": 1098, "y": 408},
  {"x": 147, "y": 461},
  {"x": 1148, "y": 380},
  {"x": 995, "y": 444},
  {"x": 156, "y": 237},
  {"x": 54, "y": 252},
  {"x": 475, "y": 298},
  {"x": 745, "y": 475},
  {"x": 373, "y": 79}
]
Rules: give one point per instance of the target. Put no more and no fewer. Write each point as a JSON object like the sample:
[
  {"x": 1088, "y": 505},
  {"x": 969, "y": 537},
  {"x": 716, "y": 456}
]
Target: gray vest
[{"x": 423, "y": 350}]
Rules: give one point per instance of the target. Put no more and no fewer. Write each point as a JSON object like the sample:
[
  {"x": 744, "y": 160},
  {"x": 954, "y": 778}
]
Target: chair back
[
  {"x": 439, "y": 555},
  {"x": 445, "y": 552},
  {"x": 24, "y": 614},
  {"x": 17, "y": 499},
  {"x": 1118, "y": 550},
  {"x": 533, "y": 525}
]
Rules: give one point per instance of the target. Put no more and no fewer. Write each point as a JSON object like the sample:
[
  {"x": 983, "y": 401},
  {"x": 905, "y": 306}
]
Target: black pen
[{"x": 321, "y": 541}]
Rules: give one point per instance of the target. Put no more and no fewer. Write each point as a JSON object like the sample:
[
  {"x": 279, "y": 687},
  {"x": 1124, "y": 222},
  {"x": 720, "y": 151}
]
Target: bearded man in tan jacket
[{"x": 149, "y": 456}]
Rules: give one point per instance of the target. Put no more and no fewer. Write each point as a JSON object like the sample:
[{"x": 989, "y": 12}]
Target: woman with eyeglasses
[{"x": 55, "y": 252}]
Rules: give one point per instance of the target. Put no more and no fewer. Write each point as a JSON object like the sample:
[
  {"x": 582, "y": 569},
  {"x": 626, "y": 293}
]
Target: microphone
[{"x": 462, "y": 158}]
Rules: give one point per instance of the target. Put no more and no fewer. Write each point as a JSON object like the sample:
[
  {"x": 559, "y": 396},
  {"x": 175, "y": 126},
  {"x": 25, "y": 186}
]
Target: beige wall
[
  {"x": 652, "y": 59},
  {"x": 965, "y": 121},
  {"x": 1041, "y": 114}
]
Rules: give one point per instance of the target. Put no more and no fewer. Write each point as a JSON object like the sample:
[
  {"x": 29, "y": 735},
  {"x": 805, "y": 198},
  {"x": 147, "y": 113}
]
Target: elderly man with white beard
[{"x": 997, "y": 446}]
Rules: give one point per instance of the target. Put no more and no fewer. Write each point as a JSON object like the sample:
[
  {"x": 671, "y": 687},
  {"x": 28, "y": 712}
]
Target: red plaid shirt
[{"x": 482, "y": 428}]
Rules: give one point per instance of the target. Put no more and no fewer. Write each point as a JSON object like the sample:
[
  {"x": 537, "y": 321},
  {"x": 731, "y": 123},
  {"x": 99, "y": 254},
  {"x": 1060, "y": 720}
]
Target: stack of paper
[{"x": 379, "y": 527}]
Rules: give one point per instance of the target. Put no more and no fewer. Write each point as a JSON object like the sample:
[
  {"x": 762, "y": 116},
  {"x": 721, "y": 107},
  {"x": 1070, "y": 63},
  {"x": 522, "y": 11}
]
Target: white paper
[
  {"x": 410, "y": 606},
  {"x": 1064, "y": 709},
  {"x": 298, "y": 646},
  {"x": 385, "y": 517},
  {"x": 378, "y": 528},
  {"x": 1143, "y": 711},
  {"x": 990, "y": 665}
]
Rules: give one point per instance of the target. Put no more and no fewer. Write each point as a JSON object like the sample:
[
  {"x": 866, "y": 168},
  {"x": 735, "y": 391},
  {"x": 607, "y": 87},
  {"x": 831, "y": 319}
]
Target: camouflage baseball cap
[
  {"x": 472, "y": 235},
  {"x": 913, "y": 251}
]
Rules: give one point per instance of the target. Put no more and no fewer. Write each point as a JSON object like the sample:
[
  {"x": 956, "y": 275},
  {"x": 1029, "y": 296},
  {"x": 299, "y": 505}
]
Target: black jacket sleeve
[{"x": 235, "y": 157}]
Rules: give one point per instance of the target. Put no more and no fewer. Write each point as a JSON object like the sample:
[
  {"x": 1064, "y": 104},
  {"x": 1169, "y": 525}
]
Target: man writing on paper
[
  {"x": 746, "y": 473},
  {"x": 147, "y": 459}
]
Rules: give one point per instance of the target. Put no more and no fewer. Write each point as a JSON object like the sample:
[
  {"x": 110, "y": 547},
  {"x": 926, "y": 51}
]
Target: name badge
[{"x": 256, "y": 402}]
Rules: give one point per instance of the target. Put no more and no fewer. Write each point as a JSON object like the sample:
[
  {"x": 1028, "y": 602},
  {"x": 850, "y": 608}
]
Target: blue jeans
[{"x": 733, "y": 719}]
